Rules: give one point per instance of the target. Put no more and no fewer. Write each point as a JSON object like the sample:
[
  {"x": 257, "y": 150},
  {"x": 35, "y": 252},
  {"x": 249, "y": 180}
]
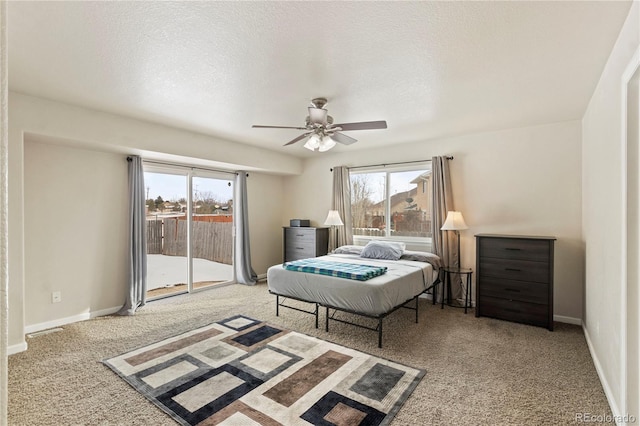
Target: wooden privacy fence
[{"x": 211, "y": 240}]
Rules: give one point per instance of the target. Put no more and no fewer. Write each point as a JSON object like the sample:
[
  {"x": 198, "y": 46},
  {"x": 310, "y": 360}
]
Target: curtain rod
[
  {"x": 184, "y": 166},
  {"x": 448, "y": 157}
]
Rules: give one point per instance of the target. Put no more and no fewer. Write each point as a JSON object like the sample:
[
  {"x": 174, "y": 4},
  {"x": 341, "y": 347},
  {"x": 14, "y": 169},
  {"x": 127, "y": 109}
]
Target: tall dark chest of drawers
[
  {"x": 515, "y": 278},
  {"x": 304, "y": 242}
]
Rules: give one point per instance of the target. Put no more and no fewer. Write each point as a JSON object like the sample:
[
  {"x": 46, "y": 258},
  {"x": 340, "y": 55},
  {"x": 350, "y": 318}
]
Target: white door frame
[{"x": 629, "y": 165}]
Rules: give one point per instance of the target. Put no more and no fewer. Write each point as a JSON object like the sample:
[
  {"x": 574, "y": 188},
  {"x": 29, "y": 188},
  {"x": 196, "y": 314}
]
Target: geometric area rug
[{"x": 241, "y": 371}]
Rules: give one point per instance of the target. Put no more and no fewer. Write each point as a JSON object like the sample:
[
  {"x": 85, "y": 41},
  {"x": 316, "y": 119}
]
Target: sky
[
  {"x": 400, "y": 182},
  {"x": 174, "y": 187}
]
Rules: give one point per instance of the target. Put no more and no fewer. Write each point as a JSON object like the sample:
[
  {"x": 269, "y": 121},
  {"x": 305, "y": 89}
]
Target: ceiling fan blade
[
  {"x": 318, "y": 115},
  {"x": 363, "y": 125},
  {"x": 258, "y": 126},
  {"x": 302, "y": 136},
  {"x": 342, "y": 138}
]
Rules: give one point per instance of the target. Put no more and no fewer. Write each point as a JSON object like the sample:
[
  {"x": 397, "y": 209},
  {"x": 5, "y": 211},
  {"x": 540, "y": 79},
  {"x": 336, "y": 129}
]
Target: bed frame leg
[
  {"x": 416, "y": 309},
  {"x": 277, "y": 305},
  {"x": 380, "y": 332},
  {"x": 326, "y": 325},
  {"x": 317, "y": 315}
]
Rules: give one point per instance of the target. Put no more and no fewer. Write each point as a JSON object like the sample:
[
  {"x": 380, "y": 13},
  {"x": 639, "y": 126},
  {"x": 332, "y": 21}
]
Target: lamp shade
[
  {"x": 454, "y": 222},
  {"x": 333, "y": 218}
]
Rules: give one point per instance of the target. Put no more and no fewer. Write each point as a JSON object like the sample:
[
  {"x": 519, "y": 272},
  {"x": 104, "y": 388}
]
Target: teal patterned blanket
[{"x": 336, "y": 269}]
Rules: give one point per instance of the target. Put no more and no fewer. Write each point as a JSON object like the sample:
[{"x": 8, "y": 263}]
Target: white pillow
[
  {"x": 422, "y": 256},
  {"x": 389, "y": 250},
  {"x": 348, "y": 250}
]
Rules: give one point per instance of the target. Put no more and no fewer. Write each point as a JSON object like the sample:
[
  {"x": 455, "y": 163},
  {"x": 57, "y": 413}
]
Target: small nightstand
[{"x": 446, "y": 286}]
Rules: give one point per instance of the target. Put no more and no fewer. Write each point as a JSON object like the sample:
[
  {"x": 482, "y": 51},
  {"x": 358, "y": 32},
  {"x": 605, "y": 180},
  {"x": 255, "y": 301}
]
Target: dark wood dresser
[
  {"x": 515, "y": 278},
  {"x": 305, "y": 242}
]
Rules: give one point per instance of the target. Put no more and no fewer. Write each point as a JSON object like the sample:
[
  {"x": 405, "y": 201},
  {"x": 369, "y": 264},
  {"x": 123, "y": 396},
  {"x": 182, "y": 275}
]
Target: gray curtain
[
  {"x": 136, "y": 295},
  {"x": 342, "y": 203},
  {"x": 444, "y": 243},
  {"x": 242, "y": 262}
]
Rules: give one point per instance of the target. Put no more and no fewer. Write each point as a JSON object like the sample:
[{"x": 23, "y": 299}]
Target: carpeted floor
[{"x": 479, "y": 370}]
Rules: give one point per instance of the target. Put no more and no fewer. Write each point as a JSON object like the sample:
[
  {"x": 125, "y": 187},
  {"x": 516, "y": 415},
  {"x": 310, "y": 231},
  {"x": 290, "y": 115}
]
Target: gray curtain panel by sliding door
[
  {"x": 136, "y": 295},
  {"x": 242, "y": 262},
  {"x": 342, "y": 203}
]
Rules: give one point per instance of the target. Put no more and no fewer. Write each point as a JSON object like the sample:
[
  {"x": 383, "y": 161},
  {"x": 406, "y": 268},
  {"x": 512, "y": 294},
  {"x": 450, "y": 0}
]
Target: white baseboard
[
  {"x": 14, "y": 349},
  {"x": 567, "y": 320},
  {"x": 103, "y": 312},
  {"x": 33, "y": 328},
  {"x": 603, "y": 380},
  {"x": 262, "y": 277}
]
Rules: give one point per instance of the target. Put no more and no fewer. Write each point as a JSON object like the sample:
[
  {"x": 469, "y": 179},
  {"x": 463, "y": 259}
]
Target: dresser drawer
[
  {"x": 300, "y": 235},
  {"x": 523, "y": 291},
  {"x": 513, "y": 310},
  {"x": 514, "y": 248},
  {"x": 300, "y": 244},
  {"x": 522, "y": 270}
]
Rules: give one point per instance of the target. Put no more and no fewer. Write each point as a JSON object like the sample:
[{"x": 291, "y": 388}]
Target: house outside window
[{"x": 392, "y": 203}]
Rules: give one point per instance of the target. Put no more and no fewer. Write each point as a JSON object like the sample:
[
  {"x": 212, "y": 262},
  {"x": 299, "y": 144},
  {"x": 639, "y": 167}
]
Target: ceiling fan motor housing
[
  {"x": 319, "y": 102},
  {"x": 313, "y": 124}
]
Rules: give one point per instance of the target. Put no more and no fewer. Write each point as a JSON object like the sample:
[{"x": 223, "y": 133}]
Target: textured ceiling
[{"x": 430, "y": 69}]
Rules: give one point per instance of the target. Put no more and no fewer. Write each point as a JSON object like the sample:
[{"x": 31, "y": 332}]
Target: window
[{"x": 392, "y": 203}]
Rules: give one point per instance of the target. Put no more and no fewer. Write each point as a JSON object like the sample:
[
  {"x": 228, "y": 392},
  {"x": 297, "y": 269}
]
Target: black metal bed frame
[{"x": 315, "y": 312}]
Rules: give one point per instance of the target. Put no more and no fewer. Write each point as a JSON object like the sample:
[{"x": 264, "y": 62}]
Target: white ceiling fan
[{"x": 321, "y": 133}]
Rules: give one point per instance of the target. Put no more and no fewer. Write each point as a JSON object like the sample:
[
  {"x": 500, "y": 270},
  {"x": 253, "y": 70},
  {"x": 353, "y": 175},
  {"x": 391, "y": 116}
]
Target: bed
[{"x": 405, "y": 278}]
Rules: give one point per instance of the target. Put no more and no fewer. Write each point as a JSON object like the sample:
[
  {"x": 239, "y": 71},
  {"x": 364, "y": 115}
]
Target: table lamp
[
  {"x": 333, "y": 220},
  {"x": 455, "y": 222}
]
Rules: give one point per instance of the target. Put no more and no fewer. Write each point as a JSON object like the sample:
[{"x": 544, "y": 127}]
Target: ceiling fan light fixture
[
  {"x": 326, "y": 144},
  {"x": 313, "y": 143}
]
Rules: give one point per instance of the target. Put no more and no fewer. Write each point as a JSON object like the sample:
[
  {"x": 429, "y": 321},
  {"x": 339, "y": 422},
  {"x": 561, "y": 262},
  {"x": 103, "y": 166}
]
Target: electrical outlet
[{"x": 56, "y": 297}]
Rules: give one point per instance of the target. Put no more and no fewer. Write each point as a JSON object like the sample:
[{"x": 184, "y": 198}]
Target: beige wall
[
  {"x": 604, "y": 225},
  {"x": 70, "y": 150},
  {"x": 518, "y": 181},
  {"x": 265, "y": 194},
  {"x": 75, "y": 230}
]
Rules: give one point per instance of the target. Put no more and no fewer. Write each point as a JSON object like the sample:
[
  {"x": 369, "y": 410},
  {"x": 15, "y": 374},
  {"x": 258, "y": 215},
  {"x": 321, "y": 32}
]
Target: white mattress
[{"x": 403, "y": 280}]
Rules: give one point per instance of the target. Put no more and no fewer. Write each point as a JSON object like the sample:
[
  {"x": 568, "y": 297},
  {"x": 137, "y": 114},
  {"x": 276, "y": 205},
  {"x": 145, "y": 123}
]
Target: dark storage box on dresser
[
  {"x": 515, "y": 278},
  {"x": 303, "y": 242}
]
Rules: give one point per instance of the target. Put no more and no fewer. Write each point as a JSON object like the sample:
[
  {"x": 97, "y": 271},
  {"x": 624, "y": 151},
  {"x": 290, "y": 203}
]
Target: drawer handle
[
  {"x": 512, "y": 269},
  {"x": 512, "y": 249},
  {"x": 513, "y": 290},
  {"x": 299, "y": 235},
  {"x": 515, "y": 311},
  {"x": 299, "y": 248}
]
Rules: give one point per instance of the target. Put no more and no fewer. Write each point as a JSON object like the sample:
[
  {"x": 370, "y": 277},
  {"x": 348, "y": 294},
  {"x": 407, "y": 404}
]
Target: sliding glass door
[
  {"x": 211, "y": 230},
  {"x": 166, "y": 208},
  {"x": 189, "y": 230}
]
